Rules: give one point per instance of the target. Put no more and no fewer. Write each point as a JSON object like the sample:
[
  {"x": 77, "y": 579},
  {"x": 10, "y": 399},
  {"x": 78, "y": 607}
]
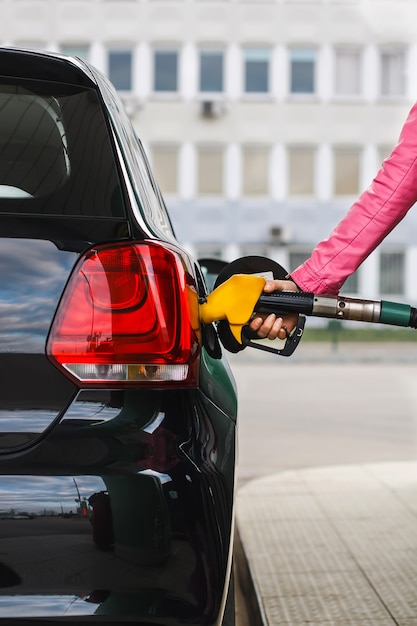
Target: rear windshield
[{"x": 56, "y": 156}]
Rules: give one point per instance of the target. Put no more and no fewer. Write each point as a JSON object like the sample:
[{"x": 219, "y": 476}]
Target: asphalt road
[
  {"x": 357, "y": 405},
  {"x": 324, "y": 407}
]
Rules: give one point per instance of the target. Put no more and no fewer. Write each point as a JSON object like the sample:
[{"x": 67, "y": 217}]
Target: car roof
[{"x": 40, "y": 65}]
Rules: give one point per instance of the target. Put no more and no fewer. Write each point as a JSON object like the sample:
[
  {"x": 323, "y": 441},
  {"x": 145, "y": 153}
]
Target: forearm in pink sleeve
[{"x": 377, "y": 211}]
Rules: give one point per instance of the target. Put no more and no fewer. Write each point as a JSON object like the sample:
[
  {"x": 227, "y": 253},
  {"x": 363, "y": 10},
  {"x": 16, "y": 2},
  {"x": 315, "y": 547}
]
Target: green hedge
[{"x": 336, "y": 331}]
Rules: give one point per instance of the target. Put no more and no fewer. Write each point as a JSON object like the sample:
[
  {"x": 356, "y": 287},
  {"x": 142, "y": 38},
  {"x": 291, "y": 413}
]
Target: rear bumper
[{"x": 127, "y": 518}]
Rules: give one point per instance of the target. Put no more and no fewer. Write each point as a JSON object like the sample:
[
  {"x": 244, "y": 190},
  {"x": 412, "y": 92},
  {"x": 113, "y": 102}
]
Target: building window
[
  {"x": 391, "y": 275},
  {"x": 165, "y": 70},
  {"x": 255, "y": 171},
  {"x": 120, "y": 69},
  {"x": 210, "y": 170},
  {"x": 211, "y": 71},
  {"x": 392, "y": 72},
  {"x": 347, "y": 72},
  {"x": 77, "y": 50},
  {"x": 346, "y": 171},
  {"x": 256, "y": 70},
  {"x": 301, "y": 165},
  {"x": 302, "y": 70},
  {"x": 165, "y": 166}
]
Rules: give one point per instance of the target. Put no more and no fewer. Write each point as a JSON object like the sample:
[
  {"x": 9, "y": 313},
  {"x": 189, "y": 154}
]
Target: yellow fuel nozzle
[{"x": 234, "y": 301}]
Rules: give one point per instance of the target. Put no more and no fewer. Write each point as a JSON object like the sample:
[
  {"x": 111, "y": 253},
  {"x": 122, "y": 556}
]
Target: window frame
[
  {"x": 307, "y": 51},
  {"x": 120, "y": 51},
  {"x": 388, "y": 278},
  {"x": 265, "y": 151},
  {"x": 387, "y": 73},
  {"x": 172, "y": 150},
  {"x": 356, "y": 54},
  {"x": 165, "y": 51},
  {"x": 213, "y": 148},
  {"x": 264, "y": 55},
  {"x": 345, "y": 150},
  {"x": 311, "y": 151},
  {"x": 211, "y": 51}
]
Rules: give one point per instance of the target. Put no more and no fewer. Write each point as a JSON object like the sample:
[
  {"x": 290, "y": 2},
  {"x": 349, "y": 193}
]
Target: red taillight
[{"x": 128, "y": 316}]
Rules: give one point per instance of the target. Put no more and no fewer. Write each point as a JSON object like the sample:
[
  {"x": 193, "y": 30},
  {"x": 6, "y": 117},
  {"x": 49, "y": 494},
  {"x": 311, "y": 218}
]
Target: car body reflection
[{"x": 88, "y": 542}]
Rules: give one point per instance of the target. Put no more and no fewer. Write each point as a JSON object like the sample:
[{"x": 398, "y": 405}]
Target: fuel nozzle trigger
[{"x": 291, "y": 343}]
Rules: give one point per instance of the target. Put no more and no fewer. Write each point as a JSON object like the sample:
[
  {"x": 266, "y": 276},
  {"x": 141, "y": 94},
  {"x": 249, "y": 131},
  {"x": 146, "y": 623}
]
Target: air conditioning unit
[
  {"x": 279, "y": 235},
  {"x": 211, "y": 109}
]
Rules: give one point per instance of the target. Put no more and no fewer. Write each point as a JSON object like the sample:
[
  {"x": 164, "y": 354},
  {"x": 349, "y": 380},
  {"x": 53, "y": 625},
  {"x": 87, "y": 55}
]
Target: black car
[{"x": 117, "y": 408}]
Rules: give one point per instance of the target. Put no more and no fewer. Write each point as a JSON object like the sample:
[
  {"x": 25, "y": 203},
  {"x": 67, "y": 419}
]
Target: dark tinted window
[
  {"x": 302, "y": 70},
  {"x": 55, "y": 152},
  {"x": 166, "y": 70},
  {"x": 256, "y": 71},
  {"x": 120, "y": 69},
  {"x": 211, "y": 70}
]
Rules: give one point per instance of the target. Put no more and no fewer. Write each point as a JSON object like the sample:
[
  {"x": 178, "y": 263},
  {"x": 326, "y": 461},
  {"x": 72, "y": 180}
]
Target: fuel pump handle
[
  {"x": 235, "y": 300},
  {"x": 284, "y": 302}
]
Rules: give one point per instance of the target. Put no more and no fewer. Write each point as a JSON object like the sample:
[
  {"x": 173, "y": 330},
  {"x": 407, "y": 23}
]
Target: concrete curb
[{"x": 249, "y": 610}]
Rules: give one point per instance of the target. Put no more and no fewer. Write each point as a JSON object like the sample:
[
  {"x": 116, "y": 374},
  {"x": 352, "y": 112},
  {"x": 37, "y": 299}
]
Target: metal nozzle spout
[{"x": 336, "y": 307}]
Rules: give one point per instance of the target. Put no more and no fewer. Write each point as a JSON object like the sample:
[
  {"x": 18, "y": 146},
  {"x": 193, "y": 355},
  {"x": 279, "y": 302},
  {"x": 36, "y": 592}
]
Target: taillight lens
[{"x": 128, "y": 316}]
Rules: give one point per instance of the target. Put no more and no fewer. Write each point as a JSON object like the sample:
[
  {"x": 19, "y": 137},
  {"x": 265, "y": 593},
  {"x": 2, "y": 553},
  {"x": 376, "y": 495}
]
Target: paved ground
[
  {"x": 327, "y": 485},
  {"x": 357, "y": 405},
  {"x": 333, "y": 546}
]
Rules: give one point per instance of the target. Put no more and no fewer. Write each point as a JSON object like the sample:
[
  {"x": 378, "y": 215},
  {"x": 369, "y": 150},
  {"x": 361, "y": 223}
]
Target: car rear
[{"x": 117, "y": 415}]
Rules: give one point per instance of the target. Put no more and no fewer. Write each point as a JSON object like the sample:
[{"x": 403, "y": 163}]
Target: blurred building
[{"x": 263, "y": 119}]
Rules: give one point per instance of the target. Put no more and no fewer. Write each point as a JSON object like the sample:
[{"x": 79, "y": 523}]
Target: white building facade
[{"x": 263, "y": 119}]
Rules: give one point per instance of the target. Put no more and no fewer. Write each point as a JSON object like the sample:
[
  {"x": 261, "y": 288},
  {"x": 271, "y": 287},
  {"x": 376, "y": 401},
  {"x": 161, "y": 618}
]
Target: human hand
[{"x": 272, "y": 326}]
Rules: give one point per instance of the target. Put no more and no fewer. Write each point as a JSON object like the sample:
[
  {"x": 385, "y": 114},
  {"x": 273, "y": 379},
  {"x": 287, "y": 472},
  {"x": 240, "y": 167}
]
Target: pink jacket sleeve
[{"x": 377, "y": 211}]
